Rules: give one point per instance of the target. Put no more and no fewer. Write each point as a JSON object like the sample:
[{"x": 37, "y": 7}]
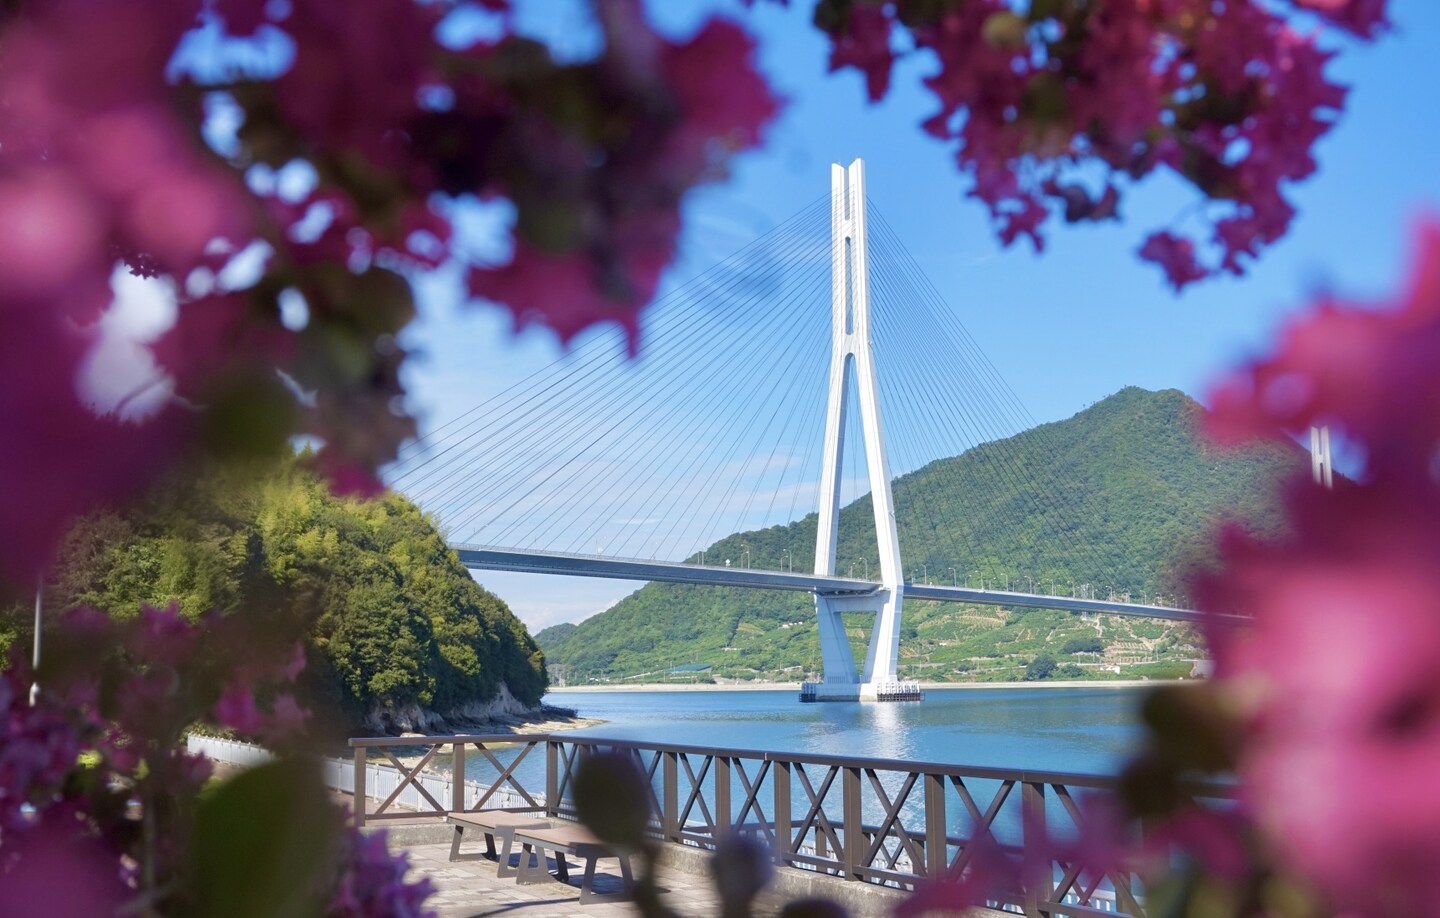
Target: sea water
[{"x": 1075, "y": 730}]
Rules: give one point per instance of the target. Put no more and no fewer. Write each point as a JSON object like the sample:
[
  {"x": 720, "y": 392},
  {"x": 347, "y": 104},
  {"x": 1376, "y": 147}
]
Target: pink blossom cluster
[
  {"x": 1055, "y": 105},
  {"x": 373, "y": 884},
  {"x": 105, "y": 160},
  {"x": 1335, "y": 681},
  {"x": 95, "y": 168},
  {"x": 102, "y": 742}
]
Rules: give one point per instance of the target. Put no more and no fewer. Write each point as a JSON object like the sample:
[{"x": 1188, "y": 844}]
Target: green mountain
[
  {"x": 1118, "y": 500},
  {"x": 400, "y": 636},
  {"x": 555, "y": 634}
]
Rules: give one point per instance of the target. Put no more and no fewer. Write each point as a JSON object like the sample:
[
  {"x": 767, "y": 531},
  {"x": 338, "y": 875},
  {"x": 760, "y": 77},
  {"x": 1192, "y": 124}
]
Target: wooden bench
[
  {"x": 577, "y": 841},
  {"x": 497, "y": 825}
]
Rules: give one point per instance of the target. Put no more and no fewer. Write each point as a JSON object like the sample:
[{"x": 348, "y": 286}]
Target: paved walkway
[{"x": 466, "y": 888}]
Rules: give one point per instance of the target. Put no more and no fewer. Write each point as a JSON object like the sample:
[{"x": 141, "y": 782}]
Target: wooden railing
[{"x": 869, "y": 820}]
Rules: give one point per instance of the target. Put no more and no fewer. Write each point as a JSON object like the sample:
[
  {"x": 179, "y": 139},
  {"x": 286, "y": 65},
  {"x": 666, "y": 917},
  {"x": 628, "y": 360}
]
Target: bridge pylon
[{"x": 851, "y": 357}]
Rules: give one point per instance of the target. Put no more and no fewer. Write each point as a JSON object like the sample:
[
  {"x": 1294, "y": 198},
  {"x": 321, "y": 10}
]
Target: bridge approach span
[{"x": 479, "y": 557}]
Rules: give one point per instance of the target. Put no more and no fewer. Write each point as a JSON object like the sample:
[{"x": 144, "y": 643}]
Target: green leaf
[{"x": 263, "y": 844}]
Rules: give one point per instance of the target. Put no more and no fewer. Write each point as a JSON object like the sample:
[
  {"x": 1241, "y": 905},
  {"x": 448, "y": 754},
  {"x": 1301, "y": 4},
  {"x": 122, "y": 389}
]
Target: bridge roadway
[{"x": 479, "y": 557}]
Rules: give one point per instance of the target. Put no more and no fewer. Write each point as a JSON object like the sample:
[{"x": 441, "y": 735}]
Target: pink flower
[
  {"x": 163, "y": 636},
  {"x": 94, "y": 163},
  {"x": 57, "y": 869},
  {"x": 563, "y": 290},
  {"x": 1368, "y": 371},
  {"x": 357, "y": 74},
  {"x": 722, "y": 96},
  {"x": 286, "y": 721},
  {"x": 236, "y": 710},
  {"x": 1364, "y": 18},
  {"x": 865, "y": 45},
  {"x": 372, "y": 882},
  {"x": 346, "y": 478},
  {"x": 1226, "y": 94},
  {"x": 290, "y": 670},
  {"x": 990, "y": 871},
  {"x": 1175, "y": 255},
  {"x": 1336, "y": 677}
]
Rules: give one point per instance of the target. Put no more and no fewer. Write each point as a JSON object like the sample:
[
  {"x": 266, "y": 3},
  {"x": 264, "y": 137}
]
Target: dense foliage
[
  {"x": 1139, "y": 494},
  {"x": 397, "y": 622}
]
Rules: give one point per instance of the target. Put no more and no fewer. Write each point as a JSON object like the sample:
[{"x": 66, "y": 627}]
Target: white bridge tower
[{"x": 851, "y": 357}]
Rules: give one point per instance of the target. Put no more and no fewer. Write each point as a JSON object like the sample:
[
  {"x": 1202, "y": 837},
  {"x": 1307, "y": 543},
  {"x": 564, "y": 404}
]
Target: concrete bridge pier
[{"x": 878, "y": 681}]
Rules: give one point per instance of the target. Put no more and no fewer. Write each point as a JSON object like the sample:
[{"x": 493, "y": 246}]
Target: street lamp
[
  {"x": 745, "y": 557},
  {"x": 789, "y": 559},
  {"x": 955, "y": 581},
  {"x": 925, "y": 573},
  {"x": 866, "y": 562}
]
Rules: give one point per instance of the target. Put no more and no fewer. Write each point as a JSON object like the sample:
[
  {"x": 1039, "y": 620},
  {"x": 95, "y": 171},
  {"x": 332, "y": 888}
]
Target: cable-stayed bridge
[{"x": 646, "y": 469}]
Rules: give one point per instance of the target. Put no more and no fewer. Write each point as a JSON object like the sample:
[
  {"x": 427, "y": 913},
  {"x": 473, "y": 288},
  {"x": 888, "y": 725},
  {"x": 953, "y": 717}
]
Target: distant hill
[
  {"x": 555, "y": 634},
  {"x": 1134, "y": 493}
]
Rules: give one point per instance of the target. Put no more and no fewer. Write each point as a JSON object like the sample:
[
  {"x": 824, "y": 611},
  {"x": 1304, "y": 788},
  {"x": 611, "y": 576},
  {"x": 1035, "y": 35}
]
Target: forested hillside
[
  {"x": 402, "y": 637},
  {"x": 1115, "y": 501}
]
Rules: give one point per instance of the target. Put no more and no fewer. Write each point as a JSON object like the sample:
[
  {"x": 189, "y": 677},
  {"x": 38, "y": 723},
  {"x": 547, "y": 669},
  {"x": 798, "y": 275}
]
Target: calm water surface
[{"x": 1050, "y": 729}]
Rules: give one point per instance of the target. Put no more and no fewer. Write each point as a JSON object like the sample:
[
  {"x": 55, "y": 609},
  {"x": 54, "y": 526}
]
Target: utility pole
[{"x": 35, "y": 660}]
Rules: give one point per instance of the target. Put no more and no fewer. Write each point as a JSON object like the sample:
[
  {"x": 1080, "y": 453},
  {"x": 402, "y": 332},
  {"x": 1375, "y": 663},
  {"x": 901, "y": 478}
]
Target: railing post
[
  {"x": 361, "y": 797},
  {"x": 721, "y": 770},
  {"x": 457, "y": 779},
  {"x": 552, "y": 777},
  {"x": 937, "y": 841},
  {"x": 784, "y": 844},
  {"x": 1038, "y": 877},
  {"x": 854, "y": 839},
  {"x": 670, "y": 788}
]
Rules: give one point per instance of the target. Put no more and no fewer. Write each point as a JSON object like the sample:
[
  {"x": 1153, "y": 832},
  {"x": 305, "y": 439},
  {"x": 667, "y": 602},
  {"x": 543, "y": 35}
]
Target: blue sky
[{"x": 1066, "y": 327}]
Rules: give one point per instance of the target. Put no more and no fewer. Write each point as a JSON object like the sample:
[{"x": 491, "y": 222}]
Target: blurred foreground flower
[{"x": 1337, "y": 682}]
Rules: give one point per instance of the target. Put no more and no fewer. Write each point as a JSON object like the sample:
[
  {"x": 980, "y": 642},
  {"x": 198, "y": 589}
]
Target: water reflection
[{"x": 887, "y": 732}]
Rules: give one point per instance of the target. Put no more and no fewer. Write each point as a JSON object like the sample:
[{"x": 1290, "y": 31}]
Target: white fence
[{"x": 339, "y": 774}]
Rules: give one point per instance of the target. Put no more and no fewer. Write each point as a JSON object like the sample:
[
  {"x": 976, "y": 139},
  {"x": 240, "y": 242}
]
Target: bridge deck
[{"x": 481, "y": 557}]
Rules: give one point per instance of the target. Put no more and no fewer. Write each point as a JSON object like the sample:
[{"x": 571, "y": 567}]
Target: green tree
[
  {"x": 1040, "y": 668},
  {"x": 1084, "y": 645}
]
